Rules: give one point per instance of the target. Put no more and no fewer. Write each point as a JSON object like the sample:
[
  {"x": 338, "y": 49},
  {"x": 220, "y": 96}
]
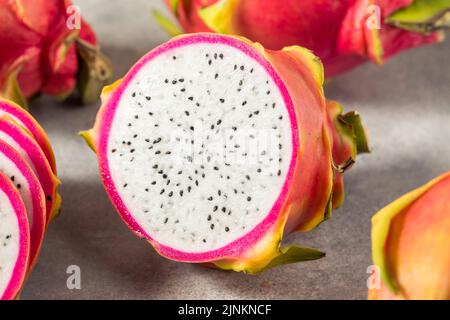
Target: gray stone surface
[{"x": 405, "y": 104}]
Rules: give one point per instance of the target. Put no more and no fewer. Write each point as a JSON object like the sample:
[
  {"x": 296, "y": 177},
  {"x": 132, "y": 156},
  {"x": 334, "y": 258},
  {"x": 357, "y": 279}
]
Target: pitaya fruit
[
  {"x": 26, "y": 120},
  {"x": 26, "y": 146},
  {"x": 212, "y": 148},
  {"x": 342, "y": 33},
  {"x": 42, "y": 53},
  {"x": 411, "y": 244},
  {"x": 14, "y": 240},
  {"x": 17, "y": 169}
]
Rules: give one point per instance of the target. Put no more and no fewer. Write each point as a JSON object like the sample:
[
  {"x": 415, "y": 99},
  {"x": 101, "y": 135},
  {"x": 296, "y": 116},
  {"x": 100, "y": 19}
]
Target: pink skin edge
[
  {"x": 236, "y": 247},
  {"x": 33, "y": 127},
  {"x": 37, "y": 195},
  {"x": 20, "y": 267},
  {"x": 40, "y": 162}
]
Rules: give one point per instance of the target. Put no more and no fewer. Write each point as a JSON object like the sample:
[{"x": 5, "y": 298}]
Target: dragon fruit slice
[
  {"x": 12, "y": 165},
  {"x": 15, "y": 240},
  {"x": 26, "y": 120},
  {"x": 26, "y": 146},
  {"x": 42, "y": 52},
  {"x": 342, "y": 33},
  {"x": 212, "y": 148}
]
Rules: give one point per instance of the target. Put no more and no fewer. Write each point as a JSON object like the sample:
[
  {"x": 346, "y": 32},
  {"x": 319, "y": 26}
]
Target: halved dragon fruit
[
  {"x": 26, "y": 146},
  {"x": 213, "y": 148},
  {"x": 14, "y": 240},
  {"x": 16, "y": 168},
  {"x": 26, "y": 120}
]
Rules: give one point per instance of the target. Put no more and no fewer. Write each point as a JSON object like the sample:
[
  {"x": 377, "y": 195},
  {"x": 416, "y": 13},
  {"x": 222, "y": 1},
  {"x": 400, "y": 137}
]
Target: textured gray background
[{"x": 405, "y": 104}]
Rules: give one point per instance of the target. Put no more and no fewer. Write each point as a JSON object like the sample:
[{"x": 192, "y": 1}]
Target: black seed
[
  {"x": 162, "y": 191},
  {"x": 244, "y": 103},
  {"x": 259, "y": 170},
  {"x": 248, "y": 177},
  {"x": 181, "y": 80},
  {"x": 249, "y": 199},
  {"x": 148, "y": 98},
  {"x": 210, "y": 198},
  {"x": 256, "y": 112},
  {"x": 164, "y": 176},
  {"x": 209, "y": 218},
  {"x": 157, "y": 152},
  {"x": 125, "y": 185},
  {"x": 209, "y": 62},
  {"x": 216, "y": 168},
  {"x": 222, "y": 100},
  {"x": 166, "y": 81},
  {"x": 170, "y": 193},
  {"x": 227, "y": 229},
  {"x": 18, "y": 186},
  {"x": 189, "y": 188},
  {"x": 279, "y": 173},
  {"x": 216, "y": 76},
  {"x": 132, "y": 150},
  {"x": 212, "y": 226},
  {"x": 224, "y": 209},
  {"x": 174, "y": 58},
  {"x": 136, "y": 117},
  {"x": 187, "y": 113},
  {"x": 268, "y": 92},
  {"x": 174, "y": 81},
  {"x": 146, "y": 190},
  {"x": 133, "y": 94},
  {"x": 215, "y": 208},
  {"x": 204, "y": 240},
  {"x": 155, "y": 166},
  {"x": 113, "y": 150},
  {"x": 192, "y": 128},
  {"x": 242, "y": 68},
  {"x": 153, "y": 182},
  {"x": 221, "y": 56},
  {"x": 183, "y": 89}
]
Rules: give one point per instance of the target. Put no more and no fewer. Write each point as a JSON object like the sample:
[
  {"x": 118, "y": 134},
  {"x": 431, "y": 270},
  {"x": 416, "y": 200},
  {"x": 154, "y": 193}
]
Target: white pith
[
  {"x": 9, "y": 241},
  {"x": 183, "y": 221},
  {"x": 8, "y": 167},
  {"x": 13, "y": 143}
]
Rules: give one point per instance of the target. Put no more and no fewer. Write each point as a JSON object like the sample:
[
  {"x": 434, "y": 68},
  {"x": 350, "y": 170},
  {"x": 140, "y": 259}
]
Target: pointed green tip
[{"x": 170, "y": 27}]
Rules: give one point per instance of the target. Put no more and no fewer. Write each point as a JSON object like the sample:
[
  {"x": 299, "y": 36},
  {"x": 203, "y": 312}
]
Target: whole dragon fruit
[
  {"x": 342, "y": 33},
  {"x": 213, "y": 148},
  {"x": 411, "y": 244},
  {"x": 47, "y": 47}
]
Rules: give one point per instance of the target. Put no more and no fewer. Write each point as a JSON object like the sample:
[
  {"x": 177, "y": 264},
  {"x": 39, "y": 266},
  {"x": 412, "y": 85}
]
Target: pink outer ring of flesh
[
  {"x": 37, "y": 157},
  {"x": 38, "y": 133},
  {"x": 37, "y": 228},
  {"x": 237, "y": 246},
  {"x": 20, "y": 268}
]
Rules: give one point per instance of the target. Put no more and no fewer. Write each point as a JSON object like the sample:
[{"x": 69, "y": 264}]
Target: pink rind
[
  {"x": 37, "y": 157},
  {"x": 238, "y": 246},
  {"x": 38, "y": 133},
  {"x": 37, "y": 229},
  {"x": 21, "y": 265}
]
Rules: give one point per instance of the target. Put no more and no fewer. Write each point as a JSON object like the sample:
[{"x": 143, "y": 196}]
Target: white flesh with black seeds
[
  {"x": 9, "y": 240},
  {"x": 200, "y": 146}
]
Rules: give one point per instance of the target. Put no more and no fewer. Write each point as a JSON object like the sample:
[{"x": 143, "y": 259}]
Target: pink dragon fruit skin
[
  {"x": 9, "y": 193},
  {"x": 42, "y": 53},
  {"x": 336, "y": 31}
]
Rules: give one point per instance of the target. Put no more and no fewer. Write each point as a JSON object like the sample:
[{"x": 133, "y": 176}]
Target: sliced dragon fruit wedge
[
  {"x": 14, "y": 240},
  {"x": 212, "y": 147},
  {"x": 16, "y": 168},
  {"x": 28, "y": 122},
  {"x": 23, "y": 142}
]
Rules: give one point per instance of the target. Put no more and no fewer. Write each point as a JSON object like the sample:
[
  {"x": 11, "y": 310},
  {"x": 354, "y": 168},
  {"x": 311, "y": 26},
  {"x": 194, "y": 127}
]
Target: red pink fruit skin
[
  {"x": 40, "y": 45},
  {"x": 305, "y": 199},
  {"x": 334, "y": 30},
  {"x": 410, "y": 244},
  {"x": 21, "y": 266},
  {"x": 29, "y": 123},
  {"x": 38, "y": 225},
  {"x": 43, "y": 170}
]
